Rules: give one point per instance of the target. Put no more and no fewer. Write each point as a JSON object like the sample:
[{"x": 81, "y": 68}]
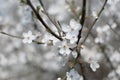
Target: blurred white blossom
[
  {"x": 94, "y": 65},
  {"x": 115, "y": 57},
  {"x": 73, "y": 75}
]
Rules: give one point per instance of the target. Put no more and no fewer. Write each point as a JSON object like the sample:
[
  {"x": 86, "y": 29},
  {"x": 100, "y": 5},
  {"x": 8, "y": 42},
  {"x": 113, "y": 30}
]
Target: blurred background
[{"x": 19, "y": 61}]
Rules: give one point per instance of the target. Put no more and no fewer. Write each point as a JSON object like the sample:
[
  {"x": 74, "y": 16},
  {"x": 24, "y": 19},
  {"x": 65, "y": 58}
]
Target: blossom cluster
[{"x": 70, "y": 37}]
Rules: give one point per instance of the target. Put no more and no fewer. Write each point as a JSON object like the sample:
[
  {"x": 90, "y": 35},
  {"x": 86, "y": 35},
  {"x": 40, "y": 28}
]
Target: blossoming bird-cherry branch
[
  {"x": 19, "y": 37},
  {"x": 42, "y": 21}
]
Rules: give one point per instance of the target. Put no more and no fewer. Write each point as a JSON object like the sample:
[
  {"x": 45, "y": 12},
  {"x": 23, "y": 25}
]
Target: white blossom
[
  {"x": 49, "y": 39},
  {"x": 64, "y": 48},
  {"x": 72, "y": 37},
  {"x": 74, "y": 54},
  {"x": 72, "y": 31},
  {"x": 28, "y": 37},
  {"x": 74, "y": 25},
  {"x": 73, "y": 75},
  {"x": 94, "y": 65},
  {"x": 115, "y": 57}
]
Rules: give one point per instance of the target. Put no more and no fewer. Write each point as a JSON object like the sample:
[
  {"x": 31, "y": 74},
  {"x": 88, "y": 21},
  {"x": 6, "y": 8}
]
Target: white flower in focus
[
  {"x": 28, "y": 37},
  {"x": 94, "y": 65},
  {"x": 64, "y": 49},
  {"x": 72, "y": 31},
  {"x": 73, "y": 75}
]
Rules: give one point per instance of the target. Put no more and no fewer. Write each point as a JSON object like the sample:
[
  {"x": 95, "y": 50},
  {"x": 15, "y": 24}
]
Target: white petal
[
  {"x": 25, "y": 35},
  {"x": 97, "y": 65},
  {"x": 68, "y": 36},
  {"x": 94, "y": 69},
  {"x": 73, "y": 75},
  {"x": 32, "y": 37},
  {"x": 29, "y": 41},
  {"x": 25, "y": 40},
  {"x": 74, "y": 53},
  {"x": 75, "y": 25},
  {"x": 61, "y": 51},
  {"x": 68, "y": 51},
  {"x": 92, "y": 66},
  {"x": 73, "y": 39},
  {"x": 66, "y": 28},
  {"x": 29, "y": 33},
  {"x": 72, "y": 23}
]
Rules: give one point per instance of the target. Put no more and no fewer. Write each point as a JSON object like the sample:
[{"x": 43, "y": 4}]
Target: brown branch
[
  {"x": 18, "y": 37},
  {"x": 54, "y": 23},
  {"x": 79, "y": 57},
  {"x": 42, "y": 21},
  {"x": 89, "y": 29},
  {"x": 82, "y": 19}
]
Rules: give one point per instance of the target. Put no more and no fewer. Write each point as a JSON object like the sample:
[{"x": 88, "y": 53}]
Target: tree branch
[
  {"x": 82, "y": 19},
  {"x": 89, "y": 29},
  {"x": 54, "y": 23},
  {"x": 18, "y": 37},
  {"x": 42, "y": 21}
]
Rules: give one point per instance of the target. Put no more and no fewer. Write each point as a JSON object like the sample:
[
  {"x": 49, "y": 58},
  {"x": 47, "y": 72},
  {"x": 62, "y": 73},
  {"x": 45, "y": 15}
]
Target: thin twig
[
  {"x": 40, "y": 1},
  {"x": 54, "y": 23},
  {"x": 42, "y": 21},
  {"x": 11, "y": 35},
  {"x": 34, "y": 23},
  {"x": 18, "y": 37},
  {"x": 89, "y": 29},
  {"x": 118, "y": 35}
]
